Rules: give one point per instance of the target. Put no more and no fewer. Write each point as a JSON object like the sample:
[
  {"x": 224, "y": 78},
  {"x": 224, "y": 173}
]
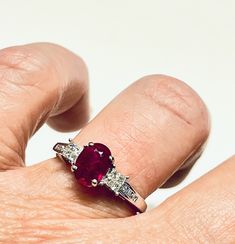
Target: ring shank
[{"x": 128, "y": 193}]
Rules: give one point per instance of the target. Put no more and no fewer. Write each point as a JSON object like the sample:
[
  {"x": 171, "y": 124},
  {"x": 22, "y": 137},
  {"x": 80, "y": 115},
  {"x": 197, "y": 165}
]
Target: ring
[{"x": 93, "y": 166}]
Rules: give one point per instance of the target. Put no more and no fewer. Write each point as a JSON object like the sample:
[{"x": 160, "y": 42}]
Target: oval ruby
[{"x": 93, "y": 163}]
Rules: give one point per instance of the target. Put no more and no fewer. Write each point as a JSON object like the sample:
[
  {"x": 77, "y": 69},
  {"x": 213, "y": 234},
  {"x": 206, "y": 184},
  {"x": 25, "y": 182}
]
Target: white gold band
[{"x": 117, "y": 183}]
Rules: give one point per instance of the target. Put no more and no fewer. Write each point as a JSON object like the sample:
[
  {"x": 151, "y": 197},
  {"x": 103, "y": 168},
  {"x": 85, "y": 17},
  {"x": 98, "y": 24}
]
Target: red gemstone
[{"x": 93, "y": 163}]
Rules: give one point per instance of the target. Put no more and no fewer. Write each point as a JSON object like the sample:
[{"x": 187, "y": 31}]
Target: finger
[
  {"x": 202, "y": 212},
  {"x": 38, "y": 82},
  {"x": 152, "y": 128},
  {"x": 183, "y": 171}
]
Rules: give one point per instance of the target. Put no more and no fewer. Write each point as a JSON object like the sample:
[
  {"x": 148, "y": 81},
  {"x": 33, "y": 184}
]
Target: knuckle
[
  {"x": 23, "y": 68},
  {"x": 178, "y": 99},
  {"x": 32, "y": 64},
  {"x": 22, "y": 58}
]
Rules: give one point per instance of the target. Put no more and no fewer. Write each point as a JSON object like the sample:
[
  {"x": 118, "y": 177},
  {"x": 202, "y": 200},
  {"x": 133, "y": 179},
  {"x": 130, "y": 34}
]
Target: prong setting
[
  {"x": 94, "y": 182},
  {"x": 111, "y": 158},
  {"x": 73, "y": 167},
  {"x": 91, "y": 143},
  {"x": 101, "y": 183}
]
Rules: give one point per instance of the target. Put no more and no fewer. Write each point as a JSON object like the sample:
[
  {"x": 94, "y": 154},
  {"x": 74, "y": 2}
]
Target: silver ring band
[{"x": 118, "y": 183}]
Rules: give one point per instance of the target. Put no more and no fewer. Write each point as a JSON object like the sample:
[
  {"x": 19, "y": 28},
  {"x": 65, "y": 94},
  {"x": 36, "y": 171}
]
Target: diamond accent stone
[
  {"x": 113, "y": 180},
  {"x": 128, "y": 192},
  {"x": 70, "y": 152}
]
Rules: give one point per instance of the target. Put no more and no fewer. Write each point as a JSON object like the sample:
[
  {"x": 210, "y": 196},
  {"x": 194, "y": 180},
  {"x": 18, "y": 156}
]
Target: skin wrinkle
[
  {"x": 189, "y": 161},
  {"x": 60, "y": 94},
  {"x": 145, "y": 174},
  {"x": 206, "y": 212},
  {"x": 97, "y": 201},
  {"x": 4, "y": 94},
  {"x": 129, "y": 138},
  {"x": 51, "y": 204},
  {"x": 21, "y": 86},
  {"x": 16, "y": 131},
  {"x": 165, "y": 106},
  {"x": 23, "y": 58},
  {"x": 8, "y": 86},
  {"x": 26, "y": 87},
  {"x": 168, "y": 93},
  {"x": 22, "y": 67},
  {"x": 20, "y": 141},
  {"x": 10, "y": 156},
  {"x": 21, "y": 145},
  {"x": 101, "y": 207},
  {"x": 75, "y": 230},
  {"x": 169, "y": 109},
  {"x": 143, "y": 170},
  {"x": 177, "y": 91},
  {"x": 11, "y": 153},
  {"x": 122, "y": 147},
  {"x": 83, "y": 86},
  {"x": 57, "y": 105},
  {"x": 23, "y": 209},
  {"x": 122, "y": 143},
  {"x": 41, "y": 119},
  {"x": 154, "y": 171}
]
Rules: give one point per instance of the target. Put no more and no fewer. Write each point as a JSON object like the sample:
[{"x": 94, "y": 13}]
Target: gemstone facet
[{"x": 93, "y": 163}]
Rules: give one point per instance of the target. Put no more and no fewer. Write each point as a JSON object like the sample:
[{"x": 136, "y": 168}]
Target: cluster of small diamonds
[
  {"x": 113, "y": 180},
  {"x": 69, "y": 151}
]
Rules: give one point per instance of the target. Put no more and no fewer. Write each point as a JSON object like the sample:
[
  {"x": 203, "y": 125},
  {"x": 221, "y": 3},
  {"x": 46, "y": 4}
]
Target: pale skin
[{"x": 155, "y": 127}]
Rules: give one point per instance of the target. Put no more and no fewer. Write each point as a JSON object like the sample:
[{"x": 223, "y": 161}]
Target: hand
[{"x": 156, "y": 129}]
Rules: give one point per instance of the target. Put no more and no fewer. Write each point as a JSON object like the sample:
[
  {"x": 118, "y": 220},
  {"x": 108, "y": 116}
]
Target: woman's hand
[{"x": 156, "y": 129}]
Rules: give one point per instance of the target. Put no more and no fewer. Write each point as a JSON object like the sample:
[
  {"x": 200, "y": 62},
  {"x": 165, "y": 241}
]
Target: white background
[{"x": 124, "y": 40}]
